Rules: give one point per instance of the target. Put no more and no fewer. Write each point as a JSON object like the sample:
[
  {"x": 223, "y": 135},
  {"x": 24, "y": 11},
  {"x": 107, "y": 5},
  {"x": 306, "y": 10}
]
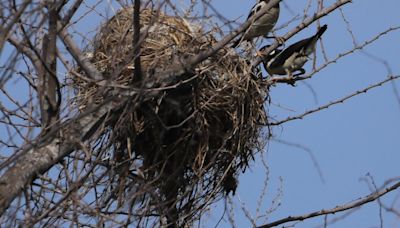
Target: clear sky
[{"x": 348, "y": 140}]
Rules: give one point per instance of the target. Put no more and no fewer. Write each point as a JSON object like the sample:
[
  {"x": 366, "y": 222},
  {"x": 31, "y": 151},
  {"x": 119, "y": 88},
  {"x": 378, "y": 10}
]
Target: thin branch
[
  {"x": 338, "y": 101},
  {"x": 5, "y": 31},
  {"x": 74, "y": 50},
  {"x": 367, "y": 199},
  {"x": 136, "y": 42},
  {"x": 71, "y": 12}
]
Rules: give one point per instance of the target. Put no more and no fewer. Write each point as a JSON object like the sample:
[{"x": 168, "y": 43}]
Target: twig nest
[{"x": 191, "y": 139}]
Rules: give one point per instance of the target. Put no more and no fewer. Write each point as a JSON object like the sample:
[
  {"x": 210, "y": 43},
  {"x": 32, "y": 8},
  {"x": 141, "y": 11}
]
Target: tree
[{"x": 104, "y": 133}]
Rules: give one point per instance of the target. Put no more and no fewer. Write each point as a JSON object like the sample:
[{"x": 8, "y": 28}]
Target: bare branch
[
  {"x": 136, "y": 42},
  {"x": 39, "y": 157},
  {"x": 367, "y": 199},
  {"x": 79, "y": 57},
  {"x": 5, "y": 31},
  {"x": 338, "y": 101}
]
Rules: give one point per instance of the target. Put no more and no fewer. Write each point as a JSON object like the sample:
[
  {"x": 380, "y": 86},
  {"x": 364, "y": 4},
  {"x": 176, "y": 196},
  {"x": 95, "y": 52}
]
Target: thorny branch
[
  {"x": 364, "y": 200},
  {"x": 338, "y": 101}
]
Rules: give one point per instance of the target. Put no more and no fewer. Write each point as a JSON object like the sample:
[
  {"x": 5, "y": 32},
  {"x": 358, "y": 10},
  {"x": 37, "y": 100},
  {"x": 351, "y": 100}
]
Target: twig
[
  {"x": 5, "y": 31},
  {"x": 338, "y": 101},
  {"x": 367, "y": 199},
  {"x": 136, "y": 42}
]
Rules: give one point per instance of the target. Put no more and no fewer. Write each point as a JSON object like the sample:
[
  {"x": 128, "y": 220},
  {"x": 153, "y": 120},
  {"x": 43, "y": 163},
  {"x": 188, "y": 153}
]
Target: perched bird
[
  {"x": 292, "y": 58},
  {"x": 263, "y": 25}
]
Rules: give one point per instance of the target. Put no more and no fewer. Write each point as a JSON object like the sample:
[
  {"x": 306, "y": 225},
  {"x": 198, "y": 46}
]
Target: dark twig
[{"x": 136, "y": 42}]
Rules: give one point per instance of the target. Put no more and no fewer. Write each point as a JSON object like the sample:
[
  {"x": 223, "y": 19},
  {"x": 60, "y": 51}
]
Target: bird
[
  {"x": 291, "y": 59},
  {"x": 263, "y": 25}
]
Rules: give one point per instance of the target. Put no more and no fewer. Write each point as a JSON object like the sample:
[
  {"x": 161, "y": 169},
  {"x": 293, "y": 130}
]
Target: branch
[
  {"x": 367, "y": 199},
  {"x": 70, "y": 13},
  {"x": 49, "y": 86},
  {"x": 5, "y": 31},
  {"x": 76, "y": 53},
  {"x": 136, "y": 42},
  {"x": 341, "y": 100},
  {"x": 37, "y": 158},
  {"x": 26, "y": 51}
]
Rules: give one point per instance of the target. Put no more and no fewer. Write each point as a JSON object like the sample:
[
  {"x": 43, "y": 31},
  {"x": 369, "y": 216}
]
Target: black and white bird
[
  {"x": 293, "y": 58},
  {"x": 263, "y": 25}
]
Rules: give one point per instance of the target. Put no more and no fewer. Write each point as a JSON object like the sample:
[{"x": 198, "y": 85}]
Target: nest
[{"x": 186, "y": 145}]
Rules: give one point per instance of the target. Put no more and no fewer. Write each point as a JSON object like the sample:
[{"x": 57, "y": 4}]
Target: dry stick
[
  {"x": 136, "y": 42},
  {"x": 90, "y": 70},
  {"x": 76, "y": 53},
  {"x": 341, "y": 100},
  {"x": 70, "y": 13},
  {"x": 49, "y": 86},
  {"x": 73, "y": 188},
  {"x": 367, "y": 199},
  {"x": 26, "y": 51}
]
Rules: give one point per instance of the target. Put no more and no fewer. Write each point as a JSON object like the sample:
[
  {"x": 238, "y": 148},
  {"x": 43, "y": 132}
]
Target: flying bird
[
  {"x": 293, "y": 58},
  {"x": 263, "y": 25}
]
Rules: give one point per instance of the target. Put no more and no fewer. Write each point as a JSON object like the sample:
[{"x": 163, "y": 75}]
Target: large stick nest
[{"x": 185, "y": 146}]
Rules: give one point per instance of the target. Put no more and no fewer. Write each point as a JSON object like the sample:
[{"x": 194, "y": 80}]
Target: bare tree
[{"x": 148, "y": 122}]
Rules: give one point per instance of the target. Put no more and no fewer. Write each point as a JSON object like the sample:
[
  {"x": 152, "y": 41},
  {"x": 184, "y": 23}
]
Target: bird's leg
[
  {"x": 291, "y": 81},
  {"x": 279, "y": 39}
]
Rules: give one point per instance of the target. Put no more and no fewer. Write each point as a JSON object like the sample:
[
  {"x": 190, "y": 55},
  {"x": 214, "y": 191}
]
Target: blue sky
[{"x": 348, "y": 140}]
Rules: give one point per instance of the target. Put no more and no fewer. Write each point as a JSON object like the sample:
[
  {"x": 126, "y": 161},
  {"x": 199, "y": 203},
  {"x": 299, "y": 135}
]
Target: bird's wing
[
  {"x": 285, "y": 54},
  {"x": 300, "y": 47}
]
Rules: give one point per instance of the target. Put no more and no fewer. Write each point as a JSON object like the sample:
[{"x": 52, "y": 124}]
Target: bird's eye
[{"x": 258, "y": 8}]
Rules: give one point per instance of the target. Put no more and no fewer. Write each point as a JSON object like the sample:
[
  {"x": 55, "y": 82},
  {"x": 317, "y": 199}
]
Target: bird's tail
[{"x": 321, "y": 31}]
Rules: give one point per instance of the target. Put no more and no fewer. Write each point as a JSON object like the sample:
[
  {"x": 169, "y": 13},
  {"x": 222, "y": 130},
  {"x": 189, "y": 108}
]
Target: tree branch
[
  {"x": 5, "y": 31},
  {"x": 338, "y": 101},
  {"x": 136, "y": 42},
  {"x": 76, "y": 53},
  {"x": 37, "y": 158},
  {"x": 367, "y": 199}
]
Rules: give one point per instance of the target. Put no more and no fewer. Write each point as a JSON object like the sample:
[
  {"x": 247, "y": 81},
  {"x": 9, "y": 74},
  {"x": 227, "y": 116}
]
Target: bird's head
[{"x": 267, "y": 1}]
